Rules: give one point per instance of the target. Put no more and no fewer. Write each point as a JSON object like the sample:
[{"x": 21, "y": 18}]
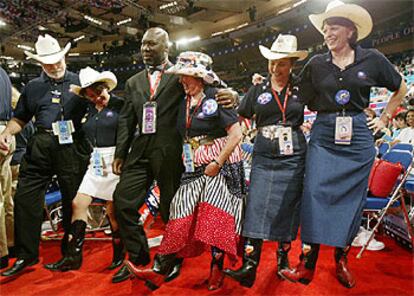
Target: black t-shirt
[
  {"x": 210, "y": 119},
  {"x": 100, "y": 127},
  {"x": 321, "y": 80},
  {"x": 43, "y": 98},
  {"x": 261, "y": 102}
]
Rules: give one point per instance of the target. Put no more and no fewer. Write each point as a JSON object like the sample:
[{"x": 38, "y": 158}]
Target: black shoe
[
  {"x": 4, "y": 261},
  {"x": 175, "y": 272},
  {"x": 118, "y": 251},
  {"x": 19, "y": 266},
  {"x": 121, "y": 275},
  {"x": 65, "y": 264}
]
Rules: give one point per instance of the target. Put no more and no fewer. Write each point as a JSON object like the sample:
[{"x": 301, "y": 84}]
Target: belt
[
  {"x": 270, "y": 132},
  {"x": 196, "y": 142},
  {"x": 44, "y": 130},
  {"x": 347, "y": 112}
]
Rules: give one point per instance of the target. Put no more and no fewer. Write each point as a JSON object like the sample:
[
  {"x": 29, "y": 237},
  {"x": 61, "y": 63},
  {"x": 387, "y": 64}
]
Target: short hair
[
  {"x": 400, "y": 115},
  {"x": 82, "y": 92},
  {"x": 341, "y": 21}
]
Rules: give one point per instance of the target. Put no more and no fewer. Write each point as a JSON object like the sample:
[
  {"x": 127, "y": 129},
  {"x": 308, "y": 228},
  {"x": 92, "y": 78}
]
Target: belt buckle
[
  {"x": 194, "y": 143},
  {"x": 206, "y": 141},
  {"x": 270, "y": 132}
]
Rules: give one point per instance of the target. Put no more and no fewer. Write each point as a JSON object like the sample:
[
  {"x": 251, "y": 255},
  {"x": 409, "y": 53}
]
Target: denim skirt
[
  {"x": 276, "y": 183},
  {"x": 336, "y": 181}
]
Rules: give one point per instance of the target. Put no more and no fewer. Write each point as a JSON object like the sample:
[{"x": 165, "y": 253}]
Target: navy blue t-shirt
[
  {"x": 321, "y": 80},
  {"x": 100, "y": 127},
  {"x": 210, "y": 119},
  {"x": 44, "y": 97},
  {"x": 260, "y": 101}
]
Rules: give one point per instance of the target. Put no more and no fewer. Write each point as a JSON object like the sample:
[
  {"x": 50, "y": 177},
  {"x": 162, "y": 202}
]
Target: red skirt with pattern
[{"x": 207, "y": 211}]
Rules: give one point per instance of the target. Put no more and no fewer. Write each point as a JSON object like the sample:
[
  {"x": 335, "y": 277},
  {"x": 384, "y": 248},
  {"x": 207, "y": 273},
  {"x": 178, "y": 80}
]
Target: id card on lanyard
[
  {"x": 149, "y": 111},
  {"x": 188, "y": 149},
  {"x": 343, "y": 124},
  {"x": 98, "y": 164},
  {"x": 284, "y": 132},
  {"x": 63, "y": 129}
]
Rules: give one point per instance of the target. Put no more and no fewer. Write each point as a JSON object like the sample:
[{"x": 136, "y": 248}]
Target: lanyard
[
  {"x": 282, "y": 108},
  {"x": 189, "y": 117},
  {"x": 153, "y": 87}
]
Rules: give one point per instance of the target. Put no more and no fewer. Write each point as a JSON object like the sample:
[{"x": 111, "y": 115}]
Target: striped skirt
[{"x": 207, "y": 211}]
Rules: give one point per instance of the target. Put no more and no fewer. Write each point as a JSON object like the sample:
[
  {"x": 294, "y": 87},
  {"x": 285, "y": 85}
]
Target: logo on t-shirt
[
  {"x": 264, "y": 98},
  {"x": 362, "y": 75},
  {"x": 209, "y": 107}
]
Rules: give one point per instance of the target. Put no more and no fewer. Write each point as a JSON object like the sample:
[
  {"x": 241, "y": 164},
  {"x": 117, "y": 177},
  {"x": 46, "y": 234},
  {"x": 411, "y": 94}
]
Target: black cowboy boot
[
  {"x": 118, "y": 250},
  {"x": 304, "y": 272},
  {"x": 282, "y": 257},
  {"x": 246, "y": 275},
  {"x": 215, "y": 280},
  {"x": 343, "y": 274},
  {"x": 73, "y": 258},
  {"x": 154, "y": 277}
]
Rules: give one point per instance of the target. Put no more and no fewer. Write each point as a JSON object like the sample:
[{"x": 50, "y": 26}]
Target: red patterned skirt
[{"x": 207, "y": 211}]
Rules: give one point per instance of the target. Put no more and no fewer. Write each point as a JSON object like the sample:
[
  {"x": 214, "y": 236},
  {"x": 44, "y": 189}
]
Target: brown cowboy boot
[
  {"x": 215, "y": 280},
  {"x": 155, "y": 276},
  {"x": 282, "y": 257},
  {"x": 343, "y": 274},
  {"x": 304, "y": 272}
]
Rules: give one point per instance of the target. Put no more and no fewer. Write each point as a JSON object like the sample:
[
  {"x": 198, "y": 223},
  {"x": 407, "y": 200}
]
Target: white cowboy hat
[
  {"x": 285, "y": 46},
  {"x": 48, "y": 50},
  {"x": 89, "y": 76},
  {"x": 195, "y": 64},
  {"x": 355, "y": 13}
]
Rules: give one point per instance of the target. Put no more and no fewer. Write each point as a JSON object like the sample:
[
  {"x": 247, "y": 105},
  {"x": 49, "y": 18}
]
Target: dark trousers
[
  {"x": 130, "y": 194},
  {"x": 44, "y": 158}
]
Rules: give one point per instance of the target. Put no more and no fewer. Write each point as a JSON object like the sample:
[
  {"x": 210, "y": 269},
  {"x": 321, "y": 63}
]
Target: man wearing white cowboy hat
[
  {"x": 57, "y": 148},
  {"x": 337, "y": 84},
  {"x": 148, "y": 145}
]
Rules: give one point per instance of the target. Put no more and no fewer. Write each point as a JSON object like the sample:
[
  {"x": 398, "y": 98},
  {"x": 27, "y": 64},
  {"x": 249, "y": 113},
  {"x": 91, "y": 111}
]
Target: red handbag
[{"x": 383, "y": 176}]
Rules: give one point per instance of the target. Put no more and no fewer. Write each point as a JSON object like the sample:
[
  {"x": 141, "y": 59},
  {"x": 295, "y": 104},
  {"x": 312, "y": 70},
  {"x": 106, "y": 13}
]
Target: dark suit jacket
[{"x": 132, "y": 145}]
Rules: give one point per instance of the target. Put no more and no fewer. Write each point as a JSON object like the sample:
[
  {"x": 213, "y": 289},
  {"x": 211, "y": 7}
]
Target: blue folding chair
[
  {"x": 406, "y": 159},
  {"x": 402, "y": 147},
  {"x": 53, "y": 205},
  {"x": 383, "y": 148}
]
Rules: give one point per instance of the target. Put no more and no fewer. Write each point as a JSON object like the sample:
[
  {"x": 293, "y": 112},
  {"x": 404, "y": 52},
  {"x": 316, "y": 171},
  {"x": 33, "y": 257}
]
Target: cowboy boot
[
  {"x": 155, "y": 276},
  {"x": 175, "y": 272},
  {"x": 215, "y": 280},
  {"x": 343, "y": 274},
  {"x": 246, "y": 274},
  {"x": 304, "y": 272},
  {"x": 73, "y": 258},
  {"x": 282, "y": 257},
  {"x": 118, "y": 250}
]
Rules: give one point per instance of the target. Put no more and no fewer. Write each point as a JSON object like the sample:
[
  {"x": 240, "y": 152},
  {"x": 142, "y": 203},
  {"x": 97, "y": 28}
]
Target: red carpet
[{"x": 386, "y": 272}]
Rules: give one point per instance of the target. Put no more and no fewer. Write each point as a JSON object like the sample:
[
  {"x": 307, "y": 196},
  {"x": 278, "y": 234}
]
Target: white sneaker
[{"x": 363, "y": 236}]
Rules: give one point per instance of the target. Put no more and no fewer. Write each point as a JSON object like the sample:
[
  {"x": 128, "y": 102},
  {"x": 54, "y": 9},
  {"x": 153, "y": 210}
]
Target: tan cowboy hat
[
  {"x": 195, "y": 64},
  {"x": 89, "y": 76},
  {"x": 48, "y": 50},
  {"x": 355, "y": 13},
  {"x": 285, "y": 46}
]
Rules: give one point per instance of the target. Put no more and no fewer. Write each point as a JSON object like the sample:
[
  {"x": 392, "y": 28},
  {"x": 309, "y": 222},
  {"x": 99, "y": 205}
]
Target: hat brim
[
  {"x": 107, "y": 77},
  {"x": 355, "y": 13},
  {"x": 271, "y": 55},
  {"x": 49, "y": 59},
  {"x": 208, "y": 76}
]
